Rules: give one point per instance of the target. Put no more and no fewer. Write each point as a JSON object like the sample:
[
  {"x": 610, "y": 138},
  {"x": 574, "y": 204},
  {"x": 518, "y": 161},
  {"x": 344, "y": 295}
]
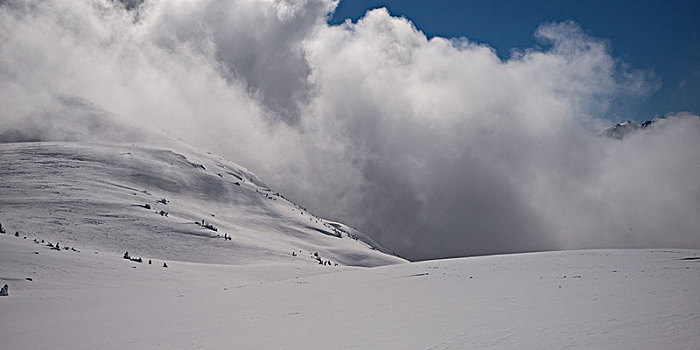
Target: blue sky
[{"x": 658, "y": 36}]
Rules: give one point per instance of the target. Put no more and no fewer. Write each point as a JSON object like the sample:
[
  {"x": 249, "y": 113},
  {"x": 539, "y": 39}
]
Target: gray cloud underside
[{"x": 436, "y": 146}]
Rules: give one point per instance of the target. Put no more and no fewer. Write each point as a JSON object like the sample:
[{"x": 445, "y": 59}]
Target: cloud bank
[{"x": 436, "y": 147}]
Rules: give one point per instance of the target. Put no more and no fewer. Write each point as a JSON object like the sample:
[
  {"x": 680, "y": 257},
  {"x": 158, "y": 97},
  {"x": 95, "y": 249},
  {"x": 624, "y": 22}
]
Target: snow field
[{"x": 598, "y": 299}]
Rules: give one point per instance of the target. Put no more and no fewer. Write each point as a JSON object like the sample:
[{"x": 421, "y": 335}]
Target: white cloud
[{"x": 435, "y": 146}]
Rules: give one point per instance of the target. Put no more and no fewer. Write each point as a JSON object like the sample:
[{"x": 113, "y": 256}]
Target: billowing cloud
[{"x": 436, "y": 147}]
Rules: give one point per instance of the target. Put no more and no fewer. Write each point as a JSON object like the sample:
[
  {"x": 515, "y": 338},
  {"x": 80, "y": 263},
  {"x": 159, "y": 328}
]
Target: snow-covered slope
[
  {"x": 605, "y": 299},
  {"x": 620, "y": 130},
  {"x": 169, "y": 204},
  {"x": 265, "y": 288}
]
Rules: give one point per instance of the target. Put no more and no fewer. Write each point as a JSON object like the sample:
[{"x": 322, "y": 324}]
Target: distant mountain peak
[{"x": 621, "y": 130}]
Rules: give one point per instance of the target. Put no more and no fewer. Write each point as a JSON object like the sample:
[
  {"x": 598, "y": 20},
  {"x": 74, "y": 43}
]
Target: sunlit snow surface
[
  {"x": 252, "y": 293},
  {"x": 95, "y": 196},
  {"x": 617, "y": 299}
]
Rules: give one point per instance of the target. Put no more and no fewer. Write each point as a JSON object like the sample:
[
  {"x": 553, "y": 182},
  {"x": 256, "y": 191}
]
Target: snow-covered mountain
[
  {"x": 621, "y": 130},
  {"x": 169, "y": 204},
  {"x": 618, "y": 131}
]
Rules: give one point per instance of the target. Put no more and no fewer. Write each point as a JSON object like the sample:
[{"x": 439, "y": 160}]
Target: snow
[
  {"x": 619, "y": 131},
  {"x": 599, "y": 299},
  {"x": 96, "y": 196},
  {"x": 251, "y": 292}
]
